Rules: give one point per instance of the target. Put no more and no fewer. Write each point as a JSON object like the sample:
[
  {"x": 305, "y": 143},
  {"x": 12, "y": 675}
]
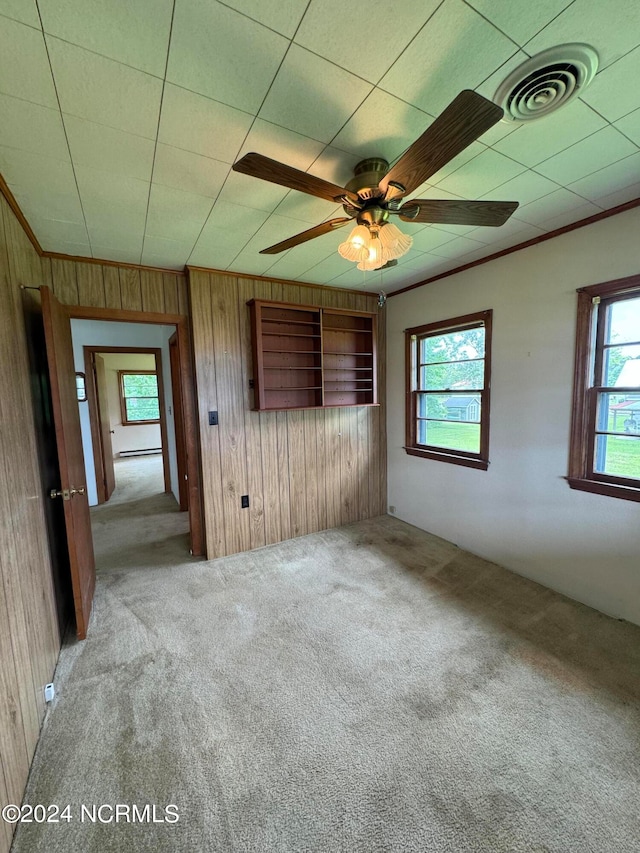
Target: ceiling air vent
[{"x": 546, "y": 82}]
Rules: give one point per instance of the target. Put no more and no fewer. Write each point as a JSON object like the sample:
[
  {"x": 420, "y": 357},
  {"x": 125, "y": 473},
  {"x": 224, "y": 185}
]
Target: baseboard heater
[{"x": 144, "y": 451}]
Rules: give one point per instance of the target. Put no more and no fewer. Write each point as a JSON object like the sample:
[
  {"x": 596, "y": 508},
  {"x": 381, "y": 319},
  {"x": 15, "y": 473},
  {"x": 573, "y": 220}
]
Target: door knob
[{"x": 66, "y": 494}]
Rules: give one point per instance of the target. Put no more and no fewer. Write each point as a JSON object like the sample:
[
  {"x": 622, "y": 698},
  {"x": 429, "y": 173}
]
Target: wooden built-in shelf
[{"x": 345, "y": 359}]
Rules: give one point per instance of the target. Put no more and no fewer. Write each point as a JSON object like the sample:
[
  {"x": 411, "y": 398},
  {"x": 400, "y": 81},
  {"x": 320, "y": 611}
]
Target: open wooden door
[
  {"x": 105, "y": 426},
  {"x": 178, "y": 418},
  {"x": 72, "y": 490}
]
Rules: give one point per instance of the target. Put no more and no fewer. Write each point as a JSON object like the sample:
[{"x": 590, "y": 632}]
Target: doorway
[{"x": 128, "y": 413}]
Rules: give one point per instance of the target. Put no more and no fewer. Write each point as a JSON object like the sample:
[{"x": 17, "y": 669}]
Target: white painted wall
[
  {"x": 521, "y": 513},
  {"x": 109, "y": 334}
]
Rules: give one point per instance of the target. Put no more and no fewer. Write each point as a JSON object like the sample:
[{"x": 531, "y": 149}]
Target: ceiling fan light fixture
[{"x": 372, "y": 247}]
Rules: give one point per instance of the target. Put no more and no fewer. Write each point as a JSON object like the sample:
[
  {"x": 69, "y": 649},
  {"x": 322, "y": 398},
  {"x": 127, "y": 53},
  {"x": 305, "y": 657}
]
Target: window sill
[
  {"x": 466, "y": 461},
  {"x": 627, "y": 493}
]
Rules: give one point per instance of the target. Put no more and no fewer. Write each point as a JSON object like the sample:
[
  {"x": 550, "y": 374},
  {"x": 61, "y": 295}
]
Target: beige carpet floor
[{"x": 365, "y": 689}]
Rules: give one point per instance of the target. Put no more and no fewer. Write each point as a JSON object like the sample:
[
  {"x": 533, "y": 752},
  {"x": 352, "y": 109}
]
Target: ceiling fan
[{"x": 376, "y": 191}]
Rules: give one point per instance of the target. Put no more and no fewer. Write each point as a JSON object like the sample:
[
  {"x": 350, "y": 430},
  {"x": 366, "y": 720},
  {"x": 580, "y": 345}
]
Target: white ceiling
[{"x": 119, "y": 122}]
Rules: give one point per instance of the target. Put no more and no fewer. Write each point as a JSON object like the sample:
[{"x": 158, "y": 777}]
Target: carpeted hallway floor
[{"x": 365, "y": 689}]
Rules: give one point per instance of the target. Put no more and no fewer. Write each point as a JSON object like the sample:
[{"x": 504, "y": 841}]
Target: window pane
[
  {"x": 454, "y": 346},
  {"x": 450, "y": 407},
  {"x": 624, "y": 321},
  {"x": 618, "y": 413},
  {"x": 618, "y": 456},
  {"x": 621, "y": 366},
  {"x": 453, "y": 436},
  {"x": 142, "y": 409},
  {"x": 140, "y": 385},
  {"x": 463, "y": 374}
]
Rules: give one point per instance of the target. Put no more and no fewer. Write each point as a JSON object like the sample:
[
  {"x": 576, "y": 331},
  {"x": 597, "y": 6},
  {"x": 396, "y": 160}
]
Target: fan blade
[
  {"x": 286, "y": 176},
  {"x": 317, "y": 231},
  {"x": 465, "y": 119},
  {"x": 457, "y": 212}
]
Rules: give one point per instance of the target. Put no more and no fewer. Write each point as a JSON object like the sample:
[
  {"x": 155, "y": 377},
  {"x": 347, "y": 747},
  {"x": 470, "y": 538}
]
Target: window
[
  {"x": 605, "y": 429},
  {"x": 448, "y": 371},
  {"x": 139, "y": 401}
]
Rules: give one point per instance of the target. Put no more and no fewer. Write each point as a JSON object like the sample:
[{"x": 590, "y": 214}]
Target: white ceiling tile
[
  {"x": 48, "y": 205},
  {"x": 469, "y": 153},
  {"x": 327, "y": 269},
  {"x": 237, "y": 218},
  {"x": 136, "y": 34},
  {"x": 482, "y": 174},
  {"x": 33, "y": 172},
  {"x": 250, "y": 262},
  {"x": 328, "y": 29},
  {"x": 108, "y": 149},
  {"x": 457, "y": 247},
  {"x": 611, "y": 179},
  {"x": 252, "y": 192},
  {"x": 630, "y": 126},
  {"x": 107, "y": 92},
  {"x": 99, "y": 187},
  {"x": 539, "y": 211},
  {"x": 82, "y": 250},
  {"x": 117, "y": 238},
  {"x": 542, "y": 138},
  {"x": 24, "y": 11},
  {"x": 184, "y": 170},
  {"x": 33, "y": 128},
  {"x": 488, "y": 89},
  {"x": 108, "y": 253},
  {"x": 198, "y": 124},
  {"x": 512, "y": 228},
  {"x": 222, "y": 54},
  {"x": 158, "y": 251},
  {"x": 335, "y": 165},
  {"x": 175, "y": 214},
  {"x": 429, "y": 238},
  {"x": 570, "y": 216},
  {"x": 621, "y": 196},
  {"x": 217, "y": 247},
  {"x": 383, "y": 126},
  {"x": 58, "y": 230},
  {"x": 280, "y": 15},
  {"x": 524, "y": 233},
  {"x": 281, "y": 144},
  {"x": 114, "y": 217},
  {"x": 520, "y": 21},
  {"x": 312, "y": 96},
  {"x": 308, "y": 209},
  {"x": 24, "y": 67},
  {"x": 425, "y": 76},
  {"x": 595, "y": 152},
  {"x": 353, "y": 278},
  {"x": 611, "y": 27},
  {"x": 611, "y": 93},
  {"x": 524, "y": 188},
  {"x": 456, "y": 230},
  {"x": 167, "y": 262}
]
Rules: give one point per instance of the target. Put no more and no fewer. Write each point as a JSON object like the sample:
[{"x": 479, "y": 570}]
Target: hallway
[{"x": 140, "y": 526}]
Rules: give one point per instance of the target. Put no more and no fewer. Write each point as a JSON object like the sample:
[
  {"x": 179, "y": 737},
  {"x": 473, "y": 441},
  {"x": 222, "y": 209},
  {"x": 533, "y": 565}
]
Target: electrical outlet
[
  {"x": 244, "y": 501},
  {"x": 49, "y": 692},
  {"x": 213, "y": 419},
  {"x": 392, "y": 510}
]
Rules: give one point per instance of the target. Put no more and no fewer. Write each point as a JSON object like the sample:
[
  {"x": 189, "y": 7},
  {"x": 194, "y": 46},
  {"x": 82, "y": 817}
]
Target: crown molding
[{"x": 604, "y": 214}]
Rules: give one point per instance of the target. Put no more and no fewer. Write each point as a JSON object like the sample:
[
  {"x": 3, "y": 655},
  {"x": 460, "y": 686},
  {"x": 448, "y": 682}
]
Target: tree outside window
[{"x": 139, "y": 400}]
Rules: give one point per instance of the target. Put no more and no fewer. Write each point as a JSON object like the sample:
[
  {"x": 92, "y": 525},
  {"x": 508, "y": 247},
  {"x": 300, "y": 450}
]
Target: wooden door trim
[
  {"x": 96, "y": 437},
  {"x": 178, "y": 417},
  {"x": 191, "y": 425}
]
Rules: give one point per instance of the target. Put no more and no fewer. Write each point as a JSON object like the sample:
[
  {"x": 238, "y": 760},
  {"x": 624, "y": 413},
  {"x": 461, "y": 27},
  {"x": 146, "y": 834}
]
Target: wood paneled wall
[
  {"x": 108, "y": 286},
  {"x": 304, "y": 471},
  {"x": 29, "y": 637}
]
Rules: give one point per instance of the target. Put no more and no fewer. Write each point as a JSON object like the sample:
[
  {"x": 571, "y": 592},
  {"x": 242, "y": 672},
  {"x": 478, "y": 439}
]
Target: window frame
[
  {"x": 123, "y": 404},
  {"x": 593, "y": 302},
  {"x": 412, "y": 341}
]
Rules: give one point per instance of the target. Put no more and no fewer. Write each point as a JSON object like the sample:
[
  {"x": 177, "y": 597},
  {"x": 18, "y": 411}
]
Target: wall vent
[{"x": 546, "y": 82}]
